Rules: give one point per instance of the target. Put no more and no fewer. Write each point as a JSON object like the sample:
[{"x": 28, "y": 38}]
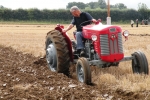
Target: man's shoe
[
  {"x": 82, "y": 53},
  {"x": 78, "y": 51}
]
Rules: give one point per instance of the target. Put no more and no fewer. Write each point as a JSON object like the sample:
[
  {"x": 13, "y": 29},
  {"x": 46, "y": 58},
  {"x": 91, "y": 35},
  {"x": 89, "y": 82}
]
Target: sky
[{"x": 61, "y": 4}]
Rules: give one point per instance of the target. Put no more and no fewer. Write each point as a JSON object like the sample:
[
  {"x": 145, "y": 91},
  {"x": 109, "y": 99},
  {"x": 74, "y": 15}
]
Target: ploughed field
[{"x": 24, "y": 74}]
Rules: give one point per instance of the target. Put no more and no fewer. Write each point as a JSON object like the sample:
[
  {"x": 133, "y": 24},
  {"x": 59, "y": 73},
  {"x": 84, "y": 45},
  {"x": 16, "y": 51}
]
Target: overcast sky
[{"x": 59, "y": 4}]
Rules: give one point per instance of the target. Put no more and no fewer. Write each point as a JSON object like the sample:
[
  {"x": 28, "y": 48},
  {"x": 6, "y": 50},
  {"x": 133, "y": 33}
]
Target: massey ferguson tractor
[{"x": 103, "y": 48}]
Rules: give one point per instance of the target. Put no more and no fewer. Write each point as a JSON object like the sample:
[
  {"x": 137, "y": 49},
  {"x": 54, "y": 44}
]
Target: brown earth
[{"x": 25, "y": 77}]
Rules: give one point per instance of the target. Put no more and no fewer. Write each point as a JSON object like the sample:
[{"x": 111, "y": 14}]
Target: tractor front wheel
[
  {"x": 139, "y": 63},
  {"x": 83, "y": 71}
]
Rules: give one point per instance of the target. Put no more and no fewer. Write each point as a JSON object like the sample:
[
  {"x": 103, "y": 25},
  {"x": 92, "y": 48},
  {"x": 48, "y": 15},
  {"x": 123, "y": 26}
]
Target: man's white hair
[{"x": 74, "y": 8}]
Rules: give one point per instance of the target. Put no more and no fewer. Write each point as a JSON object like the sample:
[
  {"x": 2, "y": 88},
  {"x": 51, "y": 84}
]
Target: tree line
[{"x": 64, "y": 14}]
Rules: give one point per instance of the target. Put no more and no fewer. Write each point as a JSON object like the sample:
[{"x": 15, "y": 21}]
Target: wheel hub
[
  {"x": 51, "y": 57},
  {"x": 81, "y": 74}
]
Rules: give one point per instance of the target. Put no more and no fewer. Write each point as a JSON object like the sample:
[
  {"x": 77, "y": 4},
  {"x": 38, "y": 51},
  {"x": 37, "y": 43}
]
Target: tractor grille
[
  {"x": 115, "y": 45},
  {"x": 104, "y": 44},
  {"x": 120, "y": 43}
]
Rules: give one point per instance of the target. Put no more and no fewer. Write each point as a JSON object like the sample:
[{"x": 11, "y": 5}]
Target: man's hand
[
  {"x": 64, "y": 30},
  {"x": 94, "y": 20}
]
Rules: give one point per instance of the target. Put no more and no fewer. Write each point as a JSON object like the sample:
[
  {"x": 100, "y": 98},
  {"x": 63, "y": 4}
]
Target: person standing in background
[
  {"x": 137, "y": 22},
  {"x": 132, "y": 22}
]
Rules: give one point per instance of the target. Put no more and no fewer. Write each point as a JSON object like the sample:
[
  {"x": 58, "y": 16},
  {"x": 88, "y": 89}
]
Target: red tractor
[{"x": 103, "y": 48}]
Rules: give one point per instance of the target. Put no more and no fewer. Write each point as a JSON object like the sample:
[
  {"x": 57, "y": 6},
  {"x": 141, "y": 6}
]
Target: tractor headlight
[
  {"x": 94, "y": 37},
  {"x": 126, "y": 33}
]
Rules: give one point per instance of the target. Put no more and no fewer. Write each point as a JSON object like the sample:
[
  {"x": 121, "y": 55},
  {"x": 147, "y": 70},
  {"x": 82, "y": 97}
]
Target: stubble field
[{"x": 24, "y": 77}]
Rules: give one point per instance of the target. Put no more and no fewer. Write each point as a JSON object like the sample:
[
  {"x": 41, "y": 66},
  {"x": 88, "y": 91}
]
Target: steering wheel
[
  {"x": 97, "y": 22},
  {"x": 90, "y": 22}
]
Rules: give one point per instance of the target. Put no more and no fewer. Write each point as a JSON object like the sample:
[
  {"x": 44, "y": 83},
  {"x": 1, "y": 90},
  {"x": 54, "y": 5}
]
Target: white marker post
[{"x": 108, "y": 13}]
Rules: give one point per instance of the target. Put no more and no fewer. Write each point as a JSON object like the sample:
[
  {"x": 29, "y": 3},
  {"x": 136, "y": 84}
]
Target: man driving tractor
[
  {"x": 79, "y": 19},
  {"x": 97, "y": 45}
]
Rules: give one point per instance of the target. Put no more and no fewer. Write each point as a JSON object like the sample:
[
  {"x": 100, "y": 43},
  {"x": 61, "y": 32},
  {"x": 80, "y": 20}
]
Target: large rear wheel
[
  {"x": 83, "y": 71},
  {"x": 139, "y": 63},
  {"x": 57, "y": 54}
]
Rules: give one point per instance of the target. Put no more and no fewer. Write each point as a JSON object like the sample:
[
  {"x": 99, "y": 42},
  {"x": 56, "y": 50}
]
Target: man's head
[{"x": 75, "y": 11}]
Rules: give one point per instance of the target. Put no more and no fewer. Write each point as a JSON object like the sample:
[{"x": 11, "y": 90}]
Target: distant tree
[
  {"x": 34, "y": 14},
  {"x": 120, "y": 6},
  {"x": 20, "y": 14},
  {"x": 95, "y": 5},
  {"x": 143, "y": 10},
  {"x": 81, "y": 5},
  {"x": 92, "y": 5},
  {"x": 112, "y": 6},
  {"x": 142, "y": 6},
  {"x": 7, "y": 14},
  {"x": 2, "y": 7},
  {"x": 102, "y": 4}
]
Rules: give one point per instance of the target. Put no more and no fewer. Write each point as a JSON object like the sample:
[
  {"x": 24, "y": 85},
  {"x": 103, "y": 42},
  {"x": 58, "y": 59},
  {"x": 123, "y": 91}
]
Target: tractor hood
[{"x": 100, "y": 27}]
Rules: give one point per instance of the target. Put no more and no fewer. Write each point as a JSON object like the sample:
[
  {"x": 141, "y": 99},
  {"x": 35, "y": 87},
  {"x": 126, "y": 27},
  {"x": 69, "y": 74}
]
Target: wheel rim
[
  {"x": 80, "y": 73},
  {"x": 137, "y": 67},
  {"x": 51, "y": 57}
]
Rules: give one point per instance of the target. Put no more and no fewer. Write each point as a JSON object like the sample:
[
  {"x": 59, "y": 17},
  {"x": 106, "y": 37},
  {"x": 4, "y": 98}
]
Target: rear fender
[{"x": 67, "y": 39}]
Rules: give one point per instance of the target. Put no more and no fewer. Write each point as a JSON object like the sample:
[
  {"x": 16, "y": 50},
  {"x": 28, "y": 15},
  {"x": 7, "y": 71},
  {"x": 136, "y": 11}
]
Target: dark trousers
[{"x": 136, "y": 24}]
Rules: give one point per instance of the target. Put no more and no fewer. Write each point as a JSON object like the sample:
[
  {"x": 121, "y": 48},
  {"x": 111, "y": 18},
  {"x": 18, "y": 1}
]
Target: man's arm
[
  {"x": 90, "y": 18},
  {"x": 68, "y": 28}
]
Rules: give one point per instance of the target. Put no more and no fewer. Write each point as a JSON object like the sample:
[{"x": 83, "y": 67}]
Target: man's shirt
[{"x": 84, "y": 17}]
